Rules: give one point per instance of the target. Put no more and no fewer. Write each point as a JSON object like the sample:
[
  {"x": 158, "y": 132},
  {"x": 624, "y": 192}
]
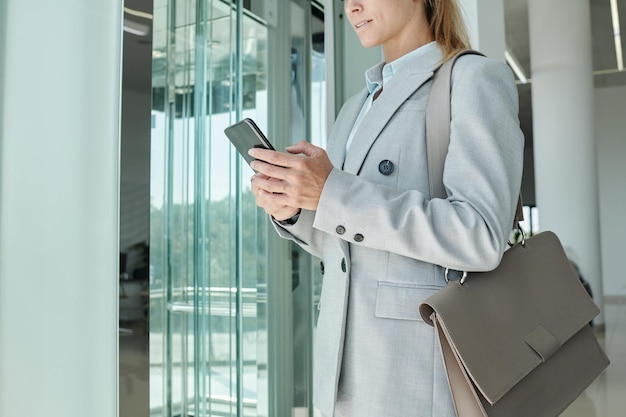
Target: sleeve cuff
[{"x": 291, "y": 221}]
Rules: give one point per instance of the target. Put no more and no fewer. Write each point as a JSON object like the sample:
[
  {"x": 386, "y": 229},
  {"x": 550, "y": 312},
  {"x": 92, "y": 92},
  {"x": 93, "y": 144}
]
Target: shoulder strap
[{"x": 438, "y": 129}]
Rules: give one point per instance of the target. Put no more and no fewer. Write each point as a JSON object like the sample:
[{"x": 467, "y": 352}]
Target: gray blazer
[{"x": 383, "y": 241}]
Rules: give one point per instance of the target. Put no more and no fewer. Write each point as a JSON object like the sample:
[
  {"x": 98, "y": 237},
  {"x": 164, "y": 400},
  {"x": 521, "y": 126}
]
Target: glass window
[
  {"x": 213, "y": 268},
  {"x": 205, "y": 264}
]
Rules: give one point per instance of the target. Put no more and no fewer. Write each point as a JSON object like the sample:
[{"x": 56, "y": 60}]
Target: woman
[{"x": 363, "y": 207}]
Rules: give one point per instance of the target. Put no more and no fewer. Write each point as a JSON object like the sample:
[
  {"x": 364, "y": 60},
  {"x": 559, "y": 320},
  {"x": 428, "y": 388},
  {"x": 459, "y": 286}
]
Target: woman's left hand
[{"x": 293, "y": 179}]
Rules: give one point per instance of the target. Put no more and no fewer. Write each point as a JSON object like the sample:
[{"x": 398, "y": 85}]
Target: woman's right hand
[{"x": 266, "y": 200}]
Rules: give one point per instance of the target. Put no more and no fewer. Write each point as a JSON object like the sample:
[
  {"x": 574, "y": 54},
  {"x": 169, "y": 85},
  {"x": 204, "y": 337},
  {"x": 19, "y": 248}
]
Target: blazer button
[
  {"x": 343, "y": 265},
  {"x": 358, "y": 237},
  {"x": 322, "y": 267},
  {"x": 385, "y": 167},
  {"x": 340, "y": 230}
]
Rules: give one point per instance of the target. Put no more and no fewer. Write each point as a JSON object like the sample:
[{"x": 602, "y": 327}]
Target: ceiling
[
  {"x": 138, "y": 55},
  {"x": 603, "y": 50},
  {"x": 137, "y": 60},
  {"x": 603, "y": 47}
]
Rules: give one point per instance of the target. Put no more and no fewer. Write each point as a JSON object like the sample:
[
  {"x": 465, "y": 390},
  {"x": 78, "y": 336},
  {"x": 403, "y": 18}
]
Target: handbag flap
[{"x": 506, "y": 322}]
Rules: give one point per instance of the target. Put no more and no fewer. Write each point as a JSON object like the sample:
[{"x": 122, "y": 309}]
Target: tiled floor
[
  {"x": 606, "y": 397},
  {"x": 134, "y": 371}
]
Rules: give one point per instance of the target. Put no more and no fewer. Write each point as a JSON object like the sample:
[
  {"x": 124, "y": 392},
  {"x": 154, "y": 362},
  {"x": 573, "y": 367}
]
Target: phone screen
[{"x": 246, "y": 135}]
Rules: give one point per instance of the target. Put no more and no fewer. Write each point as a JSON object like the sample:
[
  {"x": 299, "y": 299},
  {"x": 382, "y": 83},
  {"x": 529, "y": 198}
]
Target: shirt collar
[{"x": 382, "y": 73}]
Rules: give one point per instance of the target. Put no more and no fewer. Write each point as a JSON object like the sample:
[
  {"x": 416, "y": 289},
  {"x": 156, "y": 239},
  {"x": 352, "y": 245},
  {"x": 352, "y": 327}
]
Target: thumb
[{"x": 304, "y": 147}]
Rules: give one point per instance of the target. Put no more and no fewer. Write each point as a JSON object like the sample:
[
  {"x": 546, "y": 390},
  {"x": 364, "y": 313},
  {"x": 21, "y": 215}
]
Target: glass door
[{"x": 230, "y": 302}]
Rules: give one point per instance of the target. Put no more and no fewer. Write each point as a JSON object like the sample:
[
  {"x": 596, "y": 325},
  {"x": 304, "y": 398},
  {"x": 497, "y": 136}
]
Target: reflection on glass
[
  {"x": 209, "y": 254},
  {"x": 319, "y": 123},
  {"x": 206, "y": 297}
]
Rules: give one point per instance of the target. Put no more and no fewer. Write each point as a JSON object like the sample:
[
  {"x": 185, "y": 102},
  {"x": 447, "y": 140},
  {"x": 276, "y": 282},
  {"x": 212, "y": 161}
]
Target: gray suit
[{"x": 381, "y": 237}]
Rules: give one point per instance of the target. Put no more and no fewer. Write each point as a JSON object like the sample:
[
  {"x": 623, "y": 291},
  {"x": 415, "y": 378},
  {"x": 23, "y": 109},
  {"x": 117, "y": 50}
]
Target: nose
[{"x": 352, "y": 5}]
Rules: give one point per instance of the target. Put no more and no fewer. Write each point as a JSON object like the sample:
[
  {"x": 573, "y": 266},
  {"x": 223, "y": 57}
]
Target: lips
[{"x": 361, "y": 24}]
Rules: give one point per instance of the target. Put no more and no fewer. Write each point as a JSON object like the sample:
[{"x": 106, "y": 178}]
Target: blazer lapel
[
  {"x": 336, "y": 148},
  {"x": 404, "y": 84}
]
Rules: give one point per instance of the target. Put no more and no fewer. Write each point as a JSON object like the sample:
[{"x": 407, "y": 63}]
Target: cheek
[{"x": 370, "y": 37}]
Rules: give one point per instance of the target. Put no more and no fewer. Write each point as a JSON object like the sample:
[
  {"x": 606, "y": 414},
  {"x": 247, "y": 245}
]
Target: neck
[{"x": 399, "y": 49}]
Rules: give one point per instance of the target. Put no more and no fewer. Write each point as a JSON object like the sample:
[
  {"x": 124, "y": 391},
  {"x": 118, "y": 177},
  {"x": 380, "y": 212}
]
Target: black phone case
[{"x": 245, "y": 135}]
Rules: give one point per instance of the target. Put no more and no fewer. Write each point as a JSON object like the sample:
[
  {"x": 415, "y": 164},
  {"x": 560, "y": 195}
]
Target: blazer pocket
[{"x": 401, "y": 302}]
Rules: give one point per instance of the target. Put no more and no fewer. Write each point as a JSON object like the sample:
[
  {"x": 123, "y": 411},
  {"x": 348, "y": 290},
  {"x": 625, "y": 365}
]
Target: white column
[
  {"x": 485, "y": 24},
  {"x": 563, "y": 124},
  {"x": 59, "y": 157}
]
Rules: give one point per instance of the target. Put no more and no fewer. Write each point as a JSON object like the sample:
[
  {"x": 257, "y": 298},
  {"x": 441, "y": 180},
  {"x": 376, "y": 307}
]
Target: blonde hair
[{"x": 447, "y": 26}]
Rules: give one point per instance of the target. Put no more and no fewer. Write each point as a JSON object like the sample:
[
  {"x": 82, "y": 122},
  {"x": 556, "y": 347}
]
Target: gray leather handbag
[{"x": 515, "y": 341}]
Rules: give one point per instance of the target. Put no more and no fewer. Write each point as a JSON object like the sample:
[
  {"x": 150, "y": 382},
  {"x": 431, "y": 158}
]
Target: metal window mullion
[
  {"x": 170, "y": 109},
  {"x": 279, "y": 294},
  {"x": 239, "y": 211},
  {"x": 199, "y": 232}
]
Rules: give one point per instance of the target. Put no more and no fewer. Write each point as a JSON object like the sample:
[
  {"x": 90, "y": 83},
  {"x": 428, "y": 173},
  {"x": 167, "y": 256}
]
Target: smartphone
[{"x": 246, "y": 135}]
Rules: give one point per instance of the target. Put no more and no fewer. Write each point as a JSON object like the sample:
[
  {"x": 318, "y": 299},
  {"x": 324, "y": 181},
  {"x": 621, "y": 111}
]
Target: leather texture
[
  {"x": 515, "y": 340},
  {"x": 518, "y": 336}
]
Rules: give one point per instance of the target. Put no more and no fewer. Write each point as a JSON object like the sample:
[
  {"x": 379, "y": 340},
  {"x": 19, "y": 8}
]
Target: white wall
[
  {"x": 610, "y": 131},
  {"x": 485, "y": 24},
  {"x": 59, "y": 163}
]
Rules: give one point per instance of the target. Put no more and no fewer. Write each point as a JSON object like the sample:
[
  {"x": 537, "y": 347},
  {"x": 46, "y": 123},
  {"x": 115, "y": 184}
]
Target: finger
[
  {"x": 304, "y": 147},
  {"x": 269, "y": 170},
  {"x": 271, "y": 185},
  {"x": 273, "y": 205},
  {"x": 272, "y": 200},
  {"x": 262, "y": 154},
  {"x": 254, "y": 183},
  {"x": 257, "y": 176},
  {"x": 279, "y": 159}
]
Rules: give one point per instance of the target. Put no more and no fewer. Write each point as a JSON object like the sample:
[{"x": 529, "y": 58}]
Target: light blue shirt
[{"x": 382, "y": 74}]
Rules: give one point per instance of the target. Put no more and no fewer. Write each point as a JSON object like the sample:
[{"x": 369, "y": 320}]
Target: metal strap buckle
[
  {"x": 464, "y": 276},
  {"x": 461, "y": 281}
]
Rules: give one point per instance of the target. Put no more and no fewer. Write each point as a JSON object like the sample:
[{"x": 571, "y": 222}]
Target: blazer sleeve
[
  {"x": 482, "y": 176},
  {"x": 303, "y": 233}
]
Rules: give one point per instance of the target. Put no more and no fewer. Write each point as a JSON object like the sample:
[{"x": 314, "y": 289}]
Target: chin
[{"x": 368, "y": 43}]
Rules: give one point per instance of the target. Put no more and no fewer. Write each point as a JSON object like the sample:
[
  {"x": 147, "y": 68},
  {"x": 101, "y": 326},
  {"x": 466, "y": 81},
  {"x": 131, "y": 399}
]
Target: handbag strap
[{"x": 438, "y": 130}]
